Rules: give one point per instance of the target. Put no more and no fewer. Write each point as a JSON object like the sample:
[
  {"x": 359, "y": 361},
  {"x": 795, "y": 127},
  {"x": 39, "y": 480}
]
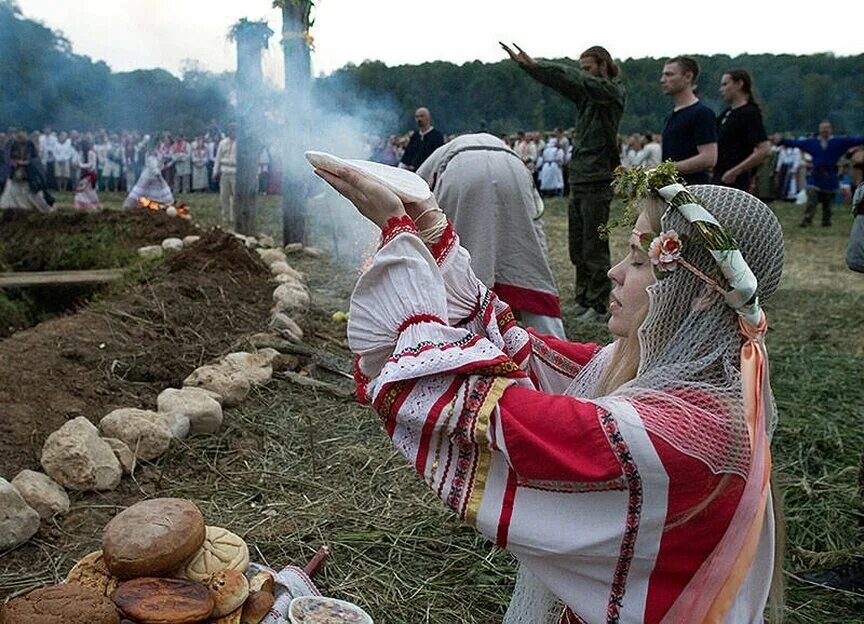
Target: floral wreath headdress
[{"x": 665, "y": 249}]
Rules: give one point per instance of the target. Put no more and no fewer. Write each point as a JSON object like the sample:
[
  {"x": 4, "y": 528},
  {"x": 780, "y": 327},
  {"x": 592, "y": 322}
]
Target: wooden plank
[{"x": 51, "y": 278}]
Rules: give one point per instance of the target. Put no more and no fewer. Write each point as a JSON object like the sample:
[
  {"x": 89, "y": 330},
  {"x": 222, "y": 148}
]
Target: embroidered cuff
[
  {"x": 445, "y": 244},
  {"x": 396, "y": 226}
]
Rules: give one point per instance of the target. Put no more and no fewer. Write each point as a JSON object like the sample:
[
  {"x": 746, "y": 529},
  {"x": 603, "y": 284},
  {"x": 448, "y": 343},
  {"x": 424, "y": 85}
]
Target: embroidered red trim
[
  {"x": 419, "y": 318},
  {"x": 447, "y": 241},
  {"x": 396, "y": 226},
  {"x": 361, "y": 383}
]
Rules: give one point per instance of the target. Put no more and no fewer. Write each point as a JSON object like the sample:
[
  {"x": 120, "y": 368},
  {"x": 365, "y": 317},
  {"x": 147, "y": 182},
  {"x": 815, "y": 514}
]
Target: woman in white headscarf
[
  {"x": 487, "y": 193},
  {"x": 631, "y": 481}
]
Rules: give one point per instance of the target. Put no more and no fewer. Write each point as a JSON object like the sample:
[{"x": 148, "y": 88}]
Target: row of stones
[{"x": 78, "y": 458}]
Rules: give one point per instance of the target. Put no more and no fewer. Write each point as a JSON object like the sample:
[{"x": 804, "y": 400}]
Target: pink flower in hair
[{"x": 665, "y": 251}]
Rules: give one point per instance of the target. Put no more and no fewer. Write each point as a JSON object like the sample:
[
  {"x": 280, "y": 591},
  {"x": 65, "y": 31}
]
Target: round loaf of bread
[
  {"x": 60, "y": 604},
  {"x": 152, "y": 537},
  {"x": 221, "y": 550},
  {"x": 92, "y": 571},
  {"x": 151, "y": 600},
  {"x": 229, "y": 589}
]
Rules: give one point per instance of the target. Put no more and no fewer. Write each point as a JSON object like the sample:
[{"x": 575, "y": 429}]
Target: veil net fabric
[{"x": 688, "y": 388}]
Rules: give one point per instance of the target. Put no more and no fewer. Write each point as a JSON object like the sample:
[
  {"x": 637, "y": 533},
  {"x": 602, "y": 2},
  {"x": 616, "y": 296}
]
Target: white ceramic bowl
[{"x": 303, "y": 604}]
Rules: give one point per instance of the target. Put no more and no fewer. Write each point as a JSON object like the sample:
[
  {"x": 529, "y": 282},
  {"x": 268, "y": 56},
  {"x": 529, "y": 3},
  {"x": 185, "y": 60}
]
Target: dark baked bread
[
  {"x": 152, "y": 600},
  {"x": 60, "y": 604},
  {"x": 153, "y": 537}
]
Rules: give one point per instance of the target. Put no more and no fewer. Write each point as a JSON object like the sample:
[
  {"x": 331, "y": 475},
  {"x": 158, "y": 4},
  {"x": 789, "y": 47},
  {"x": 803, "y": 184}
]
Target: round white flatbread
[{"x": 407, "y": 185}]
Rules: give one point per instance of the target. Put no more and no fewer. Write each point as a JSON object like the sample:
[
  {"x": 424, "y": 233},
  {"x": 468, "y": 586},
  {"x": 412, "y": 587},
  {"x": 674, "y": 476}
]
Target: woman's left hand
[{"x": 374, "y": 201}]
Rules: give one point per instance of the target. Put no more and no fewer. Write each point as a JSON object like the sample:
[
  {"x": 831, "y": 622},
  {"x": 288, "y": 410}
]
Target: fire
[{"x": 180, "y": 210}]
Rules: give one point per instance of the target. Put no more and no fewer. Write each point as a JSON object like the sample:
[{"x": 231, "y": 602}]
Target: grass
[{"x": 295, "y": 468}]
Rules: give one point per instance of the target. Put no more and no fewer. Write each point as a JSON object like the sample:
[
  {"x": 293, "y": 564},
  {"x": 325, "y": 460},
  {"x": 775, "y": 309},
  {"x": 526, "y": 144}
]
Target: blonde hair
[{"x": 624, "y": 366}]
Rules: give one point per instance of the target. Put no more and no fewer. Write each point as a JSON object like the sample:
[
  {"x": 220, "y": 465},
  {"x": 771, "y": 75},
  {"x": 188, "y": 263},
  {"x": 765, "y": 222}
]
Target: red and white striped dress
[{"x": 585, "y": 497}]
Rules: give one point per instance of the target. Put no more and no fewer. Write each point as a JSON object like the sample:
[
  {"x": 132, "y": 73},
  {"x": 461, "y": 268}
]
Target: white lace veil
[{"x": 688, "y": 387}]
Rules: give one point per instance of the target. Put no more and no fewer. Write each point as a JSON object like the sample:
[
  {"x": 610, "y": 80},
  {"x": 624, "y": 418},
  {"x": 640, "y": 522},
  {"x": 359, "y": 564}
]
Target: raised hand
[
  {"x": 373, "y": 200},
  {"x": 522, "y": 57}
]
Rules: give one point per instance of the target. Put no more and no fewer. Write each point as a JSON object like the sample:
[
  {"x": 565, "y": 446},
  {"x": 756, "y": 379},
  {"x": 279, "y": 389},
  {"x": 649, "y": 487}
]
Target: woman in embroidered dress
[
  {"x": 85, "y": 193},
  {"x": 630, "y": 481},
  {"x": 151, "y": 184}
]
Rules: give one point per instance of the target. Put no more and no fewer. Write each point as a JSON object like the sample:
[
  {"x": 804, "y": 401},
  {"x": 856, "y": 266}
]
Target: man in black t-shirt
[
  {"x": 422, "y": 143},
  {"x": 742, "y": 143},
  {"x": 690, "y": 133}
]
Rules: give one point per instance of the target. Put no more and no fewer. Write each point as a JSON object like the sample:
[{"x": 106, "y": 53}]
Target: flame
[{"x": 182, "y": 209}]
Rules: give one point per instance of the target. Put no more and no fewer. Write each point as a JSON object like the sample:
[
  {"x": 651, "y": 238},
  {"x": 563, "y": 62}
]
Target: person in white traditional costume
[
  {"x": 63, "y": 154},
  {"x": 86, "y": 198},
  {"x": 182, "y": 152},
  {"x": 199, "y": 166},
  {"x": 631, "y": 481},
  {"x": 151, "y": 184},
  {"x": 225, "y": 171},
  {"x": 549, "y": 174},
  {"x": 488, "y": 193}
]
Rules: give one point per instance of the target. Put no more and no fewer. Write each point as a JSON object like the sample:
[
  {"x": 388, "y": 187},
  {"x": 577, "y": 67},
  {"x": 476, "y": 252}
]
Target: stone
[
  {"x": 146, "y": 433},
  {"x": 42, "y": 493},
  {"x": 178, "y": 423},
  {"x": 283, "y": 268},
  {"x": 265, "y": 240},
  {"x": 150, "y": 252},
  {"x": 286, "y": 326},
  {"x": 268, "y": 354},
  {"x": 190, "y": 240},
  {"x": 289, "y": 298},
  {"x": 253, "y": 366},
  {"x": 18, "y": 520},
  {"x": 292, "y": 248},
  {"x": 172, "y": 244},
  {"x": 314, "y": 252},
  {"x": 202, "y": 412},
  {"x": 231, "y": 385},
  {"x": 78, "y": 459},
  {"x": 124, "y": 454},
  {"x": 286, "y": 278},
  {"x": 269, "y": 256}
]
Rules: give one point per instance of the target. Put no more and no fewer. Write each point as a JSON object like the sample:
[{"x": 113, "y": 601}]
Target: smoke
[{"x": 337, "y": 118}]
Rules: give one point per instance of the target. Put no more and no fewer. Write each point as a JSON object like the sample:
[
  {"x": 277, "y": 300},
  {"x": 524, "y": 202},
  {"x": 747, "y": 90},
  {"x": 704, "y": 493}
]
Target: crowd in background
[
  {"x": 186, "y": 160},
  {"x": 782, "y": 176}
]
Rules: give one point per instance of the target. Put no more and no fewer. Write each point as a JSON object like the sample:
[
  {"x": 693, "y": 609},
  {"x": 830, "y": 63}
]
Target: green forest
[{"x": 46, "y": 83}]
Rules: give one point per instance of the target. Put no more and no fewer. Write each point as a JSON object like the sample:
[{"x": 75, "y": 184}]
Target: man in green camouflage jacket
[{"x": 599, "y": 96}]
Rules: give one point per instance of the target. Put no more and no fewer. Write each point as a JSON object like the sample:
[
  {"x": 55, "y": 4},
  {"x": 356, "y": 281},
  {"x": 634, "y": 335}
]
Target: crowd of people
[
  {"x": 90, "y": 162},
  {"x": 632, "y": 481}
]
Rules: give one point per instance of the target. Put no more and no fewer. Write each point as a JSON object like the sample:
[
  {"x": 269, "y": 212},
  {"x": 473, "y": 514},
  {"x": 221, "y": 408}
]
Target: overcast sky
[{"x": 135, "y": 34}]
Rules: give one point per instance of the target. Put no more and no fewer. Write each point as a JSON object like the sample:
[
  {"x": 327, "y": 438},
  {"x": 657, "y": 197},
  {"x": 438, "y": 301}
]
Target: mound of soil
[
  {"x": 124, "y": 349},
  {"x": 31, "y": 241}
]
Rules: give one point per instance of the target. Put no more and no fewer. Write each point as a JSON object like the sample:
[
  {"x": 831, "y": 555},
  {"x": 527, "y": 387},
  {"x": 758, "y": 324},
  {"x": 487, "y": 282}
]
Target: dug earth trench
[{"x": 139, "y": 338}]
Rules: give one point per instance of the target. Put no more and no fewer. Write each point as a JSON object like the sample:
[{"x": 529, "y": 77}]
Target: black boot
[{"x": 849, "y": 577}]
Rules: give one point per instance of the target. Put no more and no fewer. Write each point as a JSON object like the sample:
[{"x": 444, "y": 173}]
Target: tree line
[
  {"x": 46, "y": 83},
  {"x": 794, "y": 92}
]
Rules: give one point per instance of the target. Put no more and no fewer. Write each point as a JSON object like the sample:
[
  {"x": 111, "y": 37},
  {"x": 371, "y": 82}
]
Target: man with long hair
[
  {"x": 741, "y": 140},
  {"x": 596, "y": 89}
]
